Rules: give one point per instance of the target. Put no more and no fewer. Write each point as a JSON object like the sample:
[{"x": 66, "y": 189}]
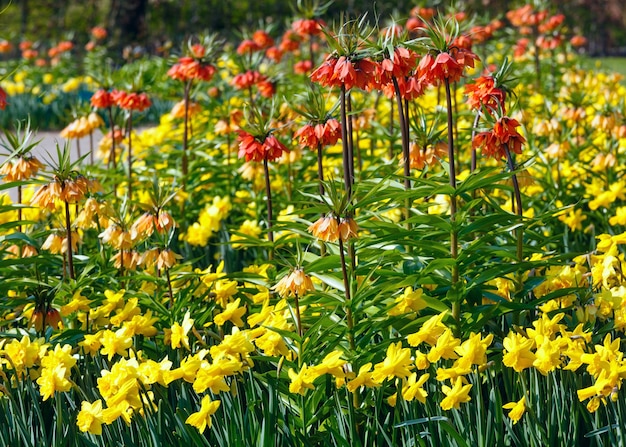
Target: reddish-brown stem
[
  {"x": 112, "y": 154},
  {"x": 404, "y": 135},
  {"x": 268, "y": 194},
  {"x": 169, "y": 287},
  {"x": 320, "y": 169},
  {"x": 348, "y": 305},
  {"x": 130, "y": 155},
  {"x": 298, "y": 317},
  {"x": 350, "y": 137},
  {"x": 391, "y": 120},
  {"x": 91, "y": 147},
  {"x": 186, "y": 132},
  {"x": 454, "y": 244},
  {"x": 518, "y": 202},
  {"x": 474, "y": 126},
  {"x": 345, "y": 144},
  {"x": 68, "y": 228},
  {"x": 19, "y": 209}
]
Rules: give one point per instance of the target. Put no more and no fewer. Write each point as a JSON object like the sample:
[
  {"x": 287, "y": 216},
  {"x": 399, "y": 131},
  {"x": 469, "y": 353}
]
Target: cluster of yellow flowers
[{"x": 208, "y": 222}]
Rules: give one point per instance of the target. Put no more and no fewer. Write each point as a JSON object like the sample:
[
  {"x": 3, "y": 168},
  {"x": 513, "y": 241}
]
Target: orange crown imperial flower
[
  {"x": 483, "y": 92},
  {"x": 133, "y": 101},
  {"x": 102, "y": 99},
  {"x": 189, "y": 68},
  {"x": 324, "y": 134},
  {"x": 308, "y": 27},
  {"x": 338, "y": 71},
  {"x": 252, "y": 148},
  {"x": 504, "y": 132},
  {"x": 21, "y": 168},
  {"x": 297, "y": 283},
  {"x": 330, "y": 229}
]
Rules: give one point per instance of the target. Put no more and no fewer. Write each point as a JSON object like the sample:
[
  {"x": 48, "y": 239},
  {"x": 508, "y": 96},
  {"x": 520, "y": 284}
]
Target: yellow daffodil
[
  {"x": 456, "y": 395},
  {"x": 202, "y": 418},
  {"x": 517, "y": 409}
]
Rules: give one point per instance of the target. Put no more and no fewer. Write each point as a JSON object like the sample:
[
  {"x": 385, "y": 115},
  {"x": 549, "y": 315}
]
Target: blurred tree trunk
[
  {"x": 128, "y": 20},
  {"x": 23, "y": 19}
]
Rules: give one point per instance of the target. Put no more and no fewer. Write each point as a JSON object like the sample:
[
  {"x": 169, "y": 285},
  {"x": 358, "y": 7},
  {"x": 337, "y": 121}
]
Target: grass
[{"x": 617, "y": 64}]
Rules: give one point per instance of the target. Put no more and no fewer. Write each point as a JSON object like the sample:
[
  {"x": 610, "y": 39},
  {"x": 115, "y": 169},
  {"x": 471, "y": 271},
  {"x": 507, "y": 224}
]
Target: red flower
[
  {"x": 98, "y": 32},
  {"x": 274, "y": 53},
  {"x": 30, "y": 54},
  {"x": 248, "y": 79},
  {"x": 198, "y": 51},
  {"x": 308, "y": 27},
  {"x": 424, "y": 13},
  {"x": 253, "y": 149},
  {"x": 480, "y": 34},
  {"x": 247, "y": 46},
  {"x": 290, "y": 41},
  {"x": 189, "y": 68},
  {"x": 335, "y": 72},
  {"x": 549, "y": 42},
  {"x": 101, "y": 99},
  {"x": 447, "y": 65},
  {"x": 552, "y": 23},
  {"x": 132, "y": 100},
  {"x": 66, "y": 45},
  {"x": 262, "y": 39},
  {"x": 5, "y": 46},
  {"x": 302, "y": 67},
  {"x": 321, "y": 134},
  {"x": 266, "y": 88},
  {"x": 463, "y": 41},
  {"x": 401, "y": 65},
  {"x": 483, "y": 92},
  {"x": 504, "y": 132},
  {"x": 520, "y": 48},
  {"x": 410, "y": 88},
  {"x": 578, "y": 41},
  {"x": 3, "y": 99}
]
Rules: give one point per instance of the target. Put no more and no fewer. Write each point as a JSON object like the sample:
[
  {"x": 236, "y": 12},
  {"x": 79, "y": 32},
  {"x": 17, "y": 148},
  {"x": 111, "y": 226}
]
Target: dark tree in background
[{"x": 128, "y": 19}]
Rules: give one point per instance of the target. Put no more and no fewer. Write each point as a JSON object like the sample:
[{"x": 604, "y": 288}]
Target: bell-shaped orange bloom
[
  {"x": 252, "y": 148},
  {"x": 297, "y": 283},
  {"x": 101, "y": 99},
  {"x": 308, "y": 27},
  {"x": 325, "y": 228},
  {"x": 262, "y": 39},
  {"x": 132, "y": 100},
  {"x": 483, "y": 92},
  {"x": 335, "y": 72},
  {"x": 21, "y": 168},
  {"x": 504, "y": 132},
  {"x": 324, "y": 134}
]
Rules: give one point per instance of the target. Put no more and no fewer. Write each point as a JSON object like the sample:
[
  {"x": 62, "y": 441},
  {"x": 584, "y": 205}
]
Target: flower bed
[{"x": 423, "y": 246}]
